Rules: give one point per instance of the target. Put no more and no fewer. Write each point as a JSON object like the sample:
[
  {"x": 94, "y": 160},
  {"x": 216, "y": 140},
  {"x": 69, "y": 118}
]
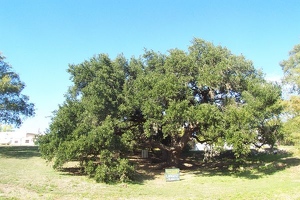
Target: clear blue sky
[{"x": 40, "y": 38}]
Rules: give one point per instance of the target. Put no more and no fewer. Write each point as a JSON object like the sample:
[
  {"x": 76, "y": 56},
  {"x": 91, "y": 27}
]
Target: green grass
[{"x": 24, "y": 175}]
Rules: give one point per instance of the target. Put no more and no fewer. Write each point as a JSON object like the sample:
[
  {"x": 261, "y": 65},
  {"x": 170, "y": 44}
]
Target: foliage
[
  {"x": 6, "y": 128},
  {"x": 110, "y": 169},
  {"x": 291, "y": 129},
  {"x": 291, "y": 69},
  {"x": 161, "y": 101},
  {"x": 13, "y": 104},
  {"x": 292, "y": 124}
]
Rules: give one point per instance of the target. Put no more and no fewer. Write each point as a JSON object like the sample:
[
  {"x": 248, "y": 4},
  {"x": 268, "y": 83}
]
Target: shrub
[
  {"x": 119, "y": 170},
  {"x": 110, "y": 169}
]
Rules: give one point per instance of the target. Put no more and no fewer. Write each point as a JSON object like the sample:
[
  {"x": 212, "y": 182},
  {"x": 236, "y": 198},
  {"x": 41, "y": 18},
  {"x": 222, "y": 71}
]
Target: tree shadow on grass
[
  {"x": 72, "y": 171},
  {"x": 146, "y": 169},
  {"x": 139, "y": 178},
  {"x": 253, "y": 167},
  {"x": 20, "y": 152}
]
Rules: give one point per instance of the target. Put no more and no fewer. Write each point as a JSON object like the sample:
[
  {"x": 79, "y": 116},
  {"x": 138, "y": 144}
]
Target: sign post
[{"x": 172, "y": 174}]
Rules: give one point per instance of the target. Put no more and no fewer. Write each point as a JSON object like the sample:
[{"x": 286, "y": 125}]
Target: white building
[{"x": 17, "y": 138}]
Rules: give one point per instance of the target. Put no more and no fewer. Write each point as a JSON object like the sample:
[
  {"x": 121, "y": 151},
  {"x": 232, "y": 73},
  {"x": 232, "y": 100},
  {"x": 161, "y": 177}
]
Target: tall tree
[
  {"x": 163, "y": 101},
  {"x": 207, "y": 93},
  {"x": 14, "y": 106},
  {"x": 291, "y": 70}
]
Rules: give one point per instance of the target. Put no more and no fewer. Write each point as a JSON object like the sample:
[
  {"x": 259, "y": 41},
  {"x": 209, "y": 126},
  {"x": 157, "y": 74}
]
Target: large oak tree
[{"x": 161, "y": 101}]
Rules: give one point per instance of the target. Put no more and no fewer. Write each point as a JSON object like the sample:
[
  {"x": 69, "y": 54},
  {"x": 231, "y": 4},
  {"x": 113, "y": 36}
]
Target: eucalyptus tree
[
  {"x": 160, "y": 101},
  {"x": 14, "y": 106}
]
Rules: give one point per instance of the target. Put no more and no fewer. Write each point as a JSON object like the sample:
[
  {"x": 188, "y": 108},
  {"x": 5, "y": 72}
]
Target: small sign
[
  {"x": 172, "y": 174},
  {"x": 145, "y": 153}
]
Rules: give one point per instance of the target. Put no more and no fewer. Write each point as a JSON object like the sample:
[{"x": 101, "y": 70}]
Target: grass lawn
[{"x": 24, "y": 175}]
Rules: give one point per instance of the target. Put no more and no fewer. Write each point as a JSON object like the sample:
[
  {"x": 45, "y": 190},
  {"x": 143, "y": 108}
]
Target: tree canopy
[
  {"x": 14, "y": 106},
  {"x": 291, "y": 70},
  {"x": 161, "y": 101}
]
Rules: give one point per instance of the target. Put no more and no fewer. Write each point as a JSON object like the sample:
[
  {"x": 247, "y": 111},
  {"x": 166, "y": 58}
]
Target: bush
[
  {"x": 104, "y": 173},
  {"x": 110, "y": 169},
  {"x": 125, "y": 170},
  {"x": 119, "y": 170},
  {"x": 90, "y": 168}
]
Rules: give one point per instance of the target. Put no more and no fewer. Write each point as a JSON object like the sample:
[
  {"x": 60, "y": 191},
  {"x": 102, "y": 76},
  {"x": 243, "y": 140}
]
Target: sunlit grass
[{"x": 24, "y": 175}]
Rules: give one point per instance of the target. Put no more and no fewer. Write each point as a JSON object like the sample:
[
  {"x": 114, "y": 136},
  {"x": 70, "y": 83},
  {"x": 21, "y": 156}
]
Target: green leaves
[
  {"x": 160, "y": 100},
  {"x": 291, "y": 68},
  {"x": 14, "y": 106}
]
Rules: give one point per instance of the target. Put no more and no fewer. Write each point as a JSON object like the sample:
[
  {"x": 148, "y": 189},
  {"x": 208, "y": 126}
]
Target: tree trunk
[{"x": 171, "y": 157}]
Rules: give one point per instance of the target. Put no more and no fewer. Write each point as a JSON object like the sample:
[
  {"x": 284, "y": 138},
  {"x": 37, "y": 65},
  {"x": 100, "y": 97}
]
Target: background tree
[
  {"x": 160, "y": 101},
  {"x": 291, "y": 70},
  {"x": 6, "y": 128},
  {"x": 14, "y": 106}
]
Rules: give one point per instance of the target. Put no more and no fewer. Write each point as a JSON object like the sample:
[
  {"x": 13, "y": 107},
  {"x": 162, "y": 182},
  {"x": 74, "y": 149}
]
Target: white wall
[{"x": 16, "y": 138}]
